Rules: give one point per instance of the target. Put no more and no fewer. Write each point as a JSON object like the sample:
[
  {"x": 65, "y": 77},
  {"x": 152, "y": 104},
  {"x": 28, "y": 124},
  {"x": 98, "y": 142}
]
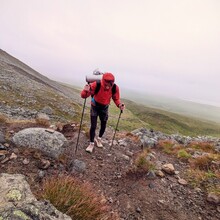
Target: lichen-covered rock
[{"x": 18, "y": 203}]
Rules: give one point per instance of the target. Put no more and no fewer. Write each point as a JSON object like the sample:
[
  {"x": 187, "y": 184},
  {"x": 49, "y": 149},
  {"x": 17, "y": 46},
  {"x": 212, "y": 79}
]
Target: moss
[
  {"x": 14, "y": 195},
  {"x": 21, "y": 214},
  {"x": 183, "y": 154}
]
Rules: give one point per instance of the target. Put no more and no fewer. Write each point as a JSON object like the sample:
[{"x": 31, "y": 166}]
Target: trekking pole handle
[{"x": 122, "y": 105}]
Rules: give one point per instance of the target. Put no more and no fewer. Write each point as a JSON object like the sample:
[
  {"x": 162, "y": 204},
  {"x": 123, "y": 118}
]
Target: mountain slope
[
  {"x": 25, "y": 92},
  {"x": 23, "y": 87}
]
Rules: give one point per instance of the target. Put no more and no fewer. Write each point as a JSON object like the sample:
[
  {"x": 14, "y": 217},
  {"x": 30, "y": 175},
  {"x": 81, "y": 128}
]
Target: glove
[
  {"x": 87, "y": 88},
  {"x": 121, "y": 106}
]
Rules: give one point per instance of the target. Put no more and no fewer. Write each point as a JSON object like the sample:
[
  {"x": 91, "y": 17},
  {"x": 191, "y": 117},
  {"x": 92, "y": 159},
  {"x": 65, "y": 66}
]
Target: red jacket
[{"x": 103, "y": 96}]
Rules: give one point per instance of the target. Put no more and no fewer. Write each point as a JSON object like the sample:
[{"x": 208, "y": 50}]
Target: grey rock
[
  {"x": 47, "y": 110},
  {"x": 151, "y": 175},
  {"x": 43, "y": 116},
  {"x": 213, "y": 198},
  {"x": 78, "y": 166},
  {"x": 2, "y": 138},
  {"x": 51, "y": 143}
]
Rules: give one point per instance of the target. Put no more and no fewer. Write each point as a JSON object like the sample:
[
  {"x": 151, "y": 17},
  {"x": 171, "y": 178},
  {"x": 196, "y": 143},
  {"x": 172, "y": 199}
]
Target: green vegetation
[
  {"x": 170, "y": 123},
  {"x": 183, "y": 154}
]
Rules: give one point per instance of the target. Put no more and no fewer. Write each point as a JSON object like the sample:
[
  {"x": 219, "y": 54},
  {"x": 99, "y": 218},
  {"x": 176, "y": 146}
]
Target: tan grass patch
[
  {"x": 168, "y": 146},
  {"x": 202, "y": 146},
  {"x": 76, "y": 199},
  {"x": 43, "y": 122},
  {"x": 208, "y": 162}
]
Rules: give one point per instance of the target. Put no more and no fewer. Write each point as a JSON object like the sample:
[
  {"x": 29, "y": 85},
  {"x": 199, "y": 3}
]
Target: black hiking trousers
[{"x": 96, "y": 111}]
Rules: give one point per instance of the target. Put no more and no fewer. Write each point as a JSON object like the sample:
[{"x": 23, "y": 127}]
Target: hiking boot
[
  {"x": 90, "y": 148},
  {"x": 98, "y": 142}
]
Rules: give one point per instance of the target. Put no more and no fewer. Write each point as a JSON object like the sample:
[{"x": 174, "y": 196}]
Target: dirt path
[{"x": 143, "y": 197}]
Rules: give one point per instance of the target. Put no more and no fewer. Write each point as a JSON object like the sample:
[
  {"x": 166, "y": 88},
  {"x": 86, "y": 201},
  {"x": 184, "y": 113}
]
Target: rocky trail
[{"x": 129, "y": 195}]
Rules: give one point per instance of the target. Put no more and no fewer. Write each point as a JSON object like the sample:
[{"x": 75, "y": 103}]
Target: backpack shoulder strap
[
  {"x": 98, "y": 85},
  {"x": 114, "y": 89}
]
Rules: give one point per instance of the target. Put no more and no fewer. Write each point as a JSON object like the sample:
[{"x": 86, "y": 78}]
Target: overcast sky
[{"x": 169, "y": 47}]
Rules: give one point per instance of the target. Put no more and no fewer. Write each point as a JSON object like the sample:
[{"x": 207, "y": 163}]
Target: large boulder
[
  {"x": 49, "y": 141},
  {"x": 17, "y": 201}
]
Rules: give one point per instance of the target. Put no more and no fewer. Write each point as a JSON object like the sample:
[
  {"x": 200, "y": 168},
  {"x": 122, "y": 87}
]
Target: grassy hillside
[
  {"x": 168, "y": 122},
  {"x": 183, "y": 107}
]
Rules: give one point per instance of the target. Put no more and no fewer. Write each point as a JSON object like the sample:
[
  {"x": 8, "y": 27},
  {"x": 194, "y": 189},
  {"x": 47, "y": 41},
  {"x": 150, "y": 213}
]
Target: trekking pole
[
  {"x": 116, "y": 128},
  {"x": 80, "y": 125}
]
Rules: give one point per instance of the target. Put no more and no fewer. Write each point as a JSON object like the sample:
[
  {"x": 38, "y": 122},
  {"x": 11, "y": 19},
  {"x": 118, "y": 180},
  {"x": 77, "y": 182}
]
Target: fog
[{"x": 167, "y": 47}]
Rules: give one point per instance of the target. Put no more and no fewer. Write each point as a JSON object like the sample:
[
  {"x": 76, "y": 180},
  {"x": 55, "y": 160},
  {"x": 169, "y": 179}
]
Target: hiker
[{"x": 101, "y": 93}]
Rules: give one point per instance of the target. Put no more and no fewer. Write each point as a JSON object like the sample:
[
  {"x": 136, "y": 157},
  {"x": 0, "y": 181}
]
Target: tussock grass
[
  {"x": 3, "y": 119},
  {"x": 209, "y": 162},
  {"x": 214, "y": 189},
  {"x": 43, "y": 122},
  {"x": 78, "y": 200},
  {"x": 167, "y": 146},
  {"x": 205, "y": 179},
  {"x": 202, "y": 146},
  {"x": 142, "y": 163},
  {"x": 198, "y": 177}
]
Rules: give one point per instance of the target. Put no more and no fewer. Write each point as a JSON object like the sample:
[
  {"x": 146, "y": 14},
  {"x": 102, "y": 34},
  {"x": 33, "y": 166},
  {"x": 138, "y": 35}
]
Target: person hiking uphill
[{"x": 99, "y": 105}]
